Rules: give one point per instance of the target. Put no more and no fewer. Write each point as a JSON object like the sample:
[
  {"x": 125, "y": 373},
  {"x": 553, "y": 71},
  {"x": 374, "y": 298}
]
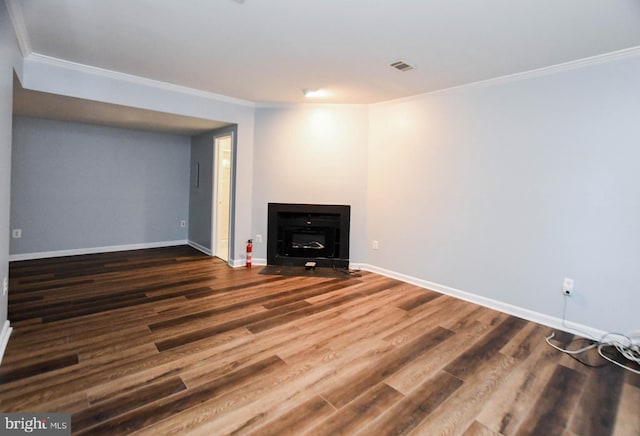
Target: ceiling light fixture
[{"x": 314, "y": 93}]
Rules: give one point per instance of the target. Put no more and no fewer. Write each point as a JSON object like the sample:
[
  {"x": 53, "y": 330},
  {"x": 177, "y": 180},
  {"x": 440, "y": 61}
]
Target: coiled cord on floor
[{"x": 624, "y": 344}]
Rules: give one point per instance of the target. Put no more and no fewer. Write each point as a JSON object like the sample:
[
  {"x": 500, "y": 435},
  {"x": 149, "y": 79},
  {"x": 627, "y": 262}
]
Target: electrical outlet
[
  {"x": 375, "y": 245},
  {"x": 183, "y": 223},
  {"x": 567, "y": 286},
  {"x": 259, "y": 239},
  {"x": 5, "y": 286},
  {"x": 16, "y": 233}
]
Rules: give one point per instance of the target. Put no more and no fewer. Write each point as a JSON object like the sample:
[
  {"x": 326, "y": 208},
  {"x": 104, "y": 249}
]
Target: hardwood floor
[{"x": 169, "y": 341}]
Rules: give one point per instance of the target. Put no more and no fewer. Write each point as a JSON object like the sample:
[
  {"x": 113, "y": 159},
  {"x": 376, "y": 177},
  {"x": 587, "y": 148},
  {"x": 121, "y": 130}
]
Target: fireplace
[{"x": 299, "y": 233}]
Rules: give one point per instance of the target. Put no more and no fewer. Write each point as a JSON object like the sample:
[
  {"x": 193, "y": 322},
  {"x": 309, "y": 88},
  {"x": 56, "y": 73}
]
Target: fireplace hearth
[{"x": 300, "y": 233}]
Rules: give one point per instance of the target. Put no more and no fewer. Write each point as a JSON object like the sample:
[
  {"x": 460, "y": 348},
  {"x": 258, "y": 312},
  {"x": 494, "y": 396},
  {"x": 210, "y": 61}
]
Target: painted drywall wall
[
  {"x": 78, "y": 186},
  {"x": 65, "y": 78},
  {"x": 504, "y": 190},
  {"x": 200, "y": 191},
  {"x": 311, "y": 154},
  {"x": 10, "y": 59}
]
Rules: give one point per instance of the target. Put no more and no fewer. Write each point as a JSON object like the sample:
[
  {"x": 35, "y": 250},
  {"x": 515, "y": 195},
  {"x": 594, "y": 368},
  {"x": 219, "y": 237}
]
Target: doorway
[{"x": 221, "y": 196}]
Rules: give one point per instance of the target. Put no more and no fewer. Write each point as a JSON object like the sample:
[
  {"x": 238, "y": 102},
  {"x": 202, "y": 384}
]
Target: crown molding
[
  {"x": 17, "y": 21},
  {"x": 538, "y": 72},
  {"x": 138, "y": 80}
]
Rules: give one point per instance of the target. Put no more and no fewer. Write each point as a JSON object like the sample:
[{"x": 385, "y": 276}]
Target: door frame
[{"x": 232, "y": 190}]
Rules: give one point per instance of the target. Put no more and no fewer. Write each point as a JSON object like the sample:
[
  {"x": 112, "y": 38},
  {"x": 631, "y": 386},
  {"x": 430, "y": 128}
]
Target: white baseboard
[
  {"x": 358, "y": 266},
  {"x": 239, "y": 263},
  {"x": 201, "y": 248},
  {"x": 4, "y": 338},
  {"x": 236, "y": 263},
  {"x": 233, "y": 263},
  {"x": 258, "y": 261},
  {"x": 530, "y": 315},
  {"x": 94, "y": 250}
]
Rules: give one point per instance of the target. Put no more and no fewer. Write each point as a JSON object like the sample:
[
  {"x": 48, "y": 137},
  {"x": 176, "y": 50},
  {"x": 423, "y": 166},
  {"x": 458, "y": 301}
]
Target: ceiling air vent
[{"x": 401, "y": 66}]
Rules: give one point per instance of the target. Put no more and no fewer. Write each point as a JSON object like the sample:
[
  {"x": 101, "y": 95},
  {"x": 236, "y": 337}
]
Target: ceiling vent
[{"x": 401, "y": 66}]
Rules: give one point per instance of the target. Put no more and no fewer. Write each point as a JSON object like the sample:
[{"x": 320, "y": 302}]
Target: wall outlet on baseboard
[
  {"x": 375, "y": 244},
  {"x": 183, "y": 223},
  {"x": 259, "y": 239},
  {"x": 16, "y": 233}
]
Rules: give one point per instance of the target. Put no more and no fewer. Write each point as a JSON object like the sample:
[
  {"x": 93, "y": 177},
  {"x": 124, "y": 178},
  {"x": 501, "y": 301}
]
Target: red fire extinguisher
[{"x": 249, "y": 251}]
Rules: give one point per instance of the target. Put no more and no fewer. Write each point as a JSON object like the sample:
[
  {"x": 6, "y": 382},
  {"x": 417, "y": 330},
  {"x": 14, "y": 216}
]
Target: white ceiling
[{"x": 269, "y": 50}]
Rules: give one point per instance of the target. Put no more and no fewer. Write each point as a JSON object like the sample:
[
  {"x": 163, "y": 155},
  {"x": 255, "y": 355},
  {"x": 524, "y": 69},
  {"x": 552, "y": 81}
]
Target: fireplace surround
[{"x": 300, "y": 233}]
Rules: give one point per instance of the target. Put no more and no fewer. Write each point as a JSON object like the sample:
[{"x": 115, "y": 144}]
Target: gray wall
[
  {"x": 10, "y": 58},
  {"x": 504, "y": 190},
  {"x": 90, "y": 84},
  {"x": 78, "y": 186},
  {"x": 200, "y": 197}
]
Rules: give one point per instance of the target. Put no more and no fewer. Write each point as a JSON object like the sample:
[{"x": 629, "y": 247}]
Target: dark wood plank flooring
[{"x": 169, "y": 341}]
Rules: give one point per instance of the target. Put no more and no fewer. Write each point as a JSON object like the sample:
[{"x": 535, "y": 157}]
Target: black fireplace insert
[{"x": 300, "y": 233}]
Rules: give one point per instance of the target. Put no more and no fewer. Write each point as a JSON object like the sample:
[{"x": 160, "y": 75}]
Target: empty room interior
[{"x": 320, "y": 217}]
